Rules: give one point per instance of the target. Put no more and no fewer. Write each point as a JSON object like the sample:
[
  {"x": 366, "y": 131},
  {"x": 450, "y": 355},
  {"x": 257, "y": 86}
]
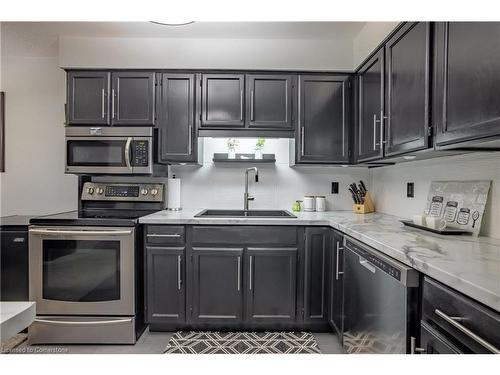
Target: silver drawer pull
[
  {"x": 83, "y": 323},
  {"x": 165, "y": 235},
  {"x": 466, "y": 331},
  {"x": 179, "y": 280},
  {"x": 337, "y": 272}
]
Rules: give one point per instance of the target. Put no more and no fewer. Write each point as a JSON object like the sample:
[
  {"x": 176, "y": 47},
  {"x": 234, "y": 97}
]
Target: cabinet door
[
  {"x": 133, "y": 98},
  {"x": 370, "y": 89},
  {"x": 323, "y": 131},
  {"x": 467, "y": 81},
  {"x": 217, "y": 290},
  {"x": 272, "y": 284},
  {"x": 87, "y": 97},
  {"x": 316, "y": 274},
  {"x": 269, "y": 101},
  {"x": 336, "y": 282},
  {"x": 222, "y": 101},
  {"x": 14, "y": 265},
  {"x": 407, "y": 89},
  {"x": 176, "y": 118},
  {"x": 165, "y": 288}
]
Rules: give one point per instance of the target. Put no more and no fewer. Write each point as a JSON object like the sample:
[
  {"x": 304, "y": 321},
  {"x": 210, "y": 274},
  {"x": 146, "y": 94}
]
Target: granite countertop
[
  {"x": 14, "y": 317},
  {"x": 468, "y": 264}
]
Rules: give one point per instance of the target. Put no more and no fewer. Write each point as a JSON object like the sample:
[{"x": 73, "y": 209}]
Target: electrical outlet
[
  {"x": 410, "y": 189},
  {"x": 335, "y": 187}
]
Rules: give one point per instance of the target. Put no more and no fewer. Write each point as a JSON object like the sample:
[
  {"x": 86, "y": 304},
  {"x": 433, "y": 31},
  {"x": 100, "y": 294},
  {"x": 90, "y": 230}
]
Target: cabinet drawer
[
  {"x": 245, "y": 235},
  {"x": 463, "y": 319},
  {"x": 165, "y": 234}
]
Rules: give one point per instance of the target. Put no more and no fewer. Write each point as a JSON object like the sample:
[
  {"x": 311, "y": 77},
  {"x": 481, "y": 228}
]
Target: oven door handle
[
  {"x": 127, "y": 152},
  {"x": 83, "y": 323},
  {"x": 81, "y": 232}
]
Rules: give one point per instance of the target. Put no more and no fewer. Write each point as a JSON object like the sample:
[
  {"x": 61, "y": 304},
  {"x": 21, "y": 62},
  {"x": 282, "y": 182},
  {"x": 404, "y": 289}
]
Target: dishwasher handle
[{"x": 370, "y": 267}]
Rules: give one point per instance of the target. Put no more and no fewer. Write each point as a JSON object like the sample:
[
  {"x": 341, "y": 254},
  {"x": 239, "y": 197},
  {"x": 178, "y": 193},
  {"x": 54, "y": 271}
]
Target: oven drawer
[
  {"x": 460, "y": 318},
  {"x": 165, "y": 234},
  {"x": 245, "y": 235}
]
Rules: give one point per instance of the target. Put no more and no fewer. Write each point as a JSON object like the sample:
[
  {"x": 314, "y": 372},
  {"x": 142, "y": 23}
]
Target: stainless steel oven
[
  {"x": 109, "y": 150},
  {"x": 82, "y": 270}
]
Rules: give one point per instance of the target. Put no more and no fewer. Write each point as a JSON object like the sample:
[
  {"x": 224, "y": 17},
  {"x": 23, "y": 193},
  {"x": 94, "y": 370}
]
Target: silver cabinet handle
[
  {"x": 250, "y": 274},
  {"x": 179, "y": 280},
  {"x": 113, "y": 103},
  {"x": 413, "y": 346},
  {"x": 190, "y": 140},
  {"x": 375, "y": 132},
  {"x": 80, "y": 232},
  {"x": 103, "y": 113},
  {"x": 164, "y": 235},
  {"x": 367, "y": 265},
  {"x": 382, "y": 118},
  {"x": 302, "y": 144},
  {"x": 241, "y": 105},
  {"x": 239, "y": 274},
  {"x": 252, "y": 117},
  {"x": 466, "y": 331},
  {"x": 337, "y": 272},
  {"x": 127, "y": 153},
  {"x": 83, "y": 323}
]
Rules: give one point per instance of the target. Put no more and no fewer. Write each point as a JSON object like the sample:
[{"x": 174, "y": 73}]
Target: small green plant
[
  {"x": 260, "y": 143},
  {"x": 232, "y": 143}
]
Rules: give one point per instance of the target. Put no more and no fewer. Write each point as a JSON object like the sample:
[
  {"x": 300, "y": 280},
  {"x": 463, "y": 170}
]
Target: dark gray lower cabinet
[
  {"x": 216, "y": 289},
  {"x": 316, "y": 274},
  {"x": 165, "y": 285},
  {"x": 335, "y": 314},
  {"x": 272, "y": 284}
]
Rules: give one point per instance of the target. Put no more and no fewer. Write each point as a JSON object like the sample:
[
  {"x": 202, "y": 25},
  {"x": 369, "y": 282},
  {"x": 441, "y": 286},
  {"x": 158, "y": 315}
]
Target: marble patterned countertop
[{"x": 468, "y": 264}]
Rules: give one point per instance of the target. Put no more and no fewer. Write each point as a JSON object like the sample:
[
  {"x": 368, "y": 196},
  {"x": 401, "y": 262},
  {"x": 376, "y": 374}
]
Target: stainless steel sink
[{"x": 246, "y": 213}]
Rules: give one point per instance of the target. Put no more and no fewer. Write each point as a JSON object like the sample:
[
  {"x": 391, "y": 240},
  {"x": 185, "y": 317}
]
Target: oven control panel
[{"x": 95, "y": 191}]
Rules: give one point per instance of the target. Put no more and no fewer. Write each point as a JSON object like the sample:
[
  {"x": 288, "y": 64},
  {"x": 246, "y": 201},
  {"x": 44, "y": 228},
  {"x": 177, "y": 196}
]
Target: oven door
[
  {"x": 109, "y": 155},
  {"x": 82, "y": 270}
]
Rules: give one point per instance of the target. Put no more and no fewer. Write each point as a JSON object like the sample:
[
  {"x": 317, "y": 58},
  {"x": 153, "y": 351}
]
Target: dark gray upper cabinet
[
  {"x": 316, "y": 274},
  {"x": 467, "y": 83},
  {"x": 370, "y": 108},
  {"x": 223, "y": 101},
  {"x": 177, "y": 109},
  {"x": 133, "y": 98},
  {"x": 87, "y": 98},
  {"x": 271, "y": 284},
  {"x": 269, "y": 101},
  {"x": 216, "y": 290},
  {"x": 336, "y": 282},
  {"x": 165, "y": 285},
  {"x": 407, "y": 60},
  {"x": 323, "y": 121}
]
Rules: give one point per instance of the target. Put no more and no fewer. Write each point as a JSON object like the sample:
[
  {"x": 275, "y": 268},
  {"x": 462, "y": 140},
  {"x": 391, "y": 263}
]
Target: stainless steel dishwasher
[{"x": 380, "y": 301}]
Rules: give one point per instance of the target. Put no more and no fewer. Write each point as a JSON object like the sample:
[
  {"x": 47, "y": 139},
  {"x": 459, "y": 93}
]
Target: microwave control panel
[
  {"x": 96, "y": 191},
  {"x": 140, "y": 152}
]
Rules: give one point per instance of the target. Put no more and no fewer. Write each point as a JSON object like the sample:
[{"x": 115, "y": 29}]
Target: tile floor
[{"x": 152, "y": 343}]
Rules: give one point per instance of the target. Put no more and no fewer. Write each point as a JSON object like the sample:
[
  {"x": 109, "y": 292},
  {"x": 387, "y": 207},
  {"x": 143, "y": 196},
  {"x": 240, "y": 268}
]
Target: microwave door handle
[{"x": 127, "y": 153}]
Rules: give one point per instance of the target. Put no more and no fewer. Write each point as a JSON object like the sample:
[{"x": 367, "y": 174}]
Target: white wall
[
  {"x": 389, "y": 184},
  {"x": 34, "y": 85},
  {"x": 369, "y": 38},
  {"x": 165, "y": 53},
  {"x": 222, "y": 186}
]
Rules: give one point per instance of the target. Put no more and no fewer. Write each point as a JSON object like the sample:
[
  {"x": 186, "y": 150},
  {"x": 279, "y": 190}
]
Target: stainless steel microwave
[{"x": 109, "y": 150}]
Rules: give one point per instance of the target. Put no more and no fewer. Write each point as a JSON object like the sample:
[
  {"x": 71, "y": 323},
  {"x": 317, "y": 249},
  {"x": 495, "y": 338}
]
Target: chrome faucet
[{"x": 246, "y": 196}]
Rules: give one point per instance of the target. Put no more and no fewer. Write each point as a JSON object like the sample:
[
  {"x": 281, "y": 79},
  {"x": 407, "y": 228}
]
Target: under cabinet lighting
[
  {"x": 409, "y": 157},
  {"x": 172, "y": 23}
]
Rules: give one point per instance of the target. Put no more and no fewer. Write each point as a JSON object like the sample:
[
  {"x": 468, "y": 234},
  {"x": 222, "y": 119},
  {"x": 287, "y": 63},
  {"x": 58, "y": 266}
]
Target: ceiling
[{"x": 209, "y": 30}]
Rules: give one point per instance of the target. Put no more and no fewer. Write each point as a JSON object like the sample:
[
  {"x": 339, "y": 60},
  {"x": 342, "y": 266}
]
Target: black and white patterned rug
[{"x": 190, "y": 342}]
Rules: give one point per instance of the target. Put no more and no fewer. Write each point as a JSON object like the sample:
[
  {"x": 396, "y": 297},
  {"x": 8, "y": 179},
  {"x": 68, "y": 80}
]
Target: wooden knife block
[{"x": 366, "y": 207}]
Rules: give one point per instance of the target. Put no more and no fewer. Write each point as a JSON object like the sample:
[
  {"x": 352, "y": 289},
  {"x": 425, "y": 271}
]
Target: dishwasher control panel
[{"x": 380, "y": 263}]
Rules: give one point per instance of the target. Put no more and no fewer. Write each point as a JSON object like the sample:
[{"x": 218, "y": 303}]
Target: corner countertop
[
  {"x": 14, "y": 317},
  {"x": 470, "y": 265}
]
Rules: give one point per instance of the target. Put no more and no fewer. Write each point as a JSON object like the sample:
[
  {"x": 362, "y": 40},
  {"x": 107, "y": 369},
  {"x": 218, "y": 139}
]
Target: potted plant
[
  {"x": 232, "y": 143},
  {"x": 259, "y": 146}
]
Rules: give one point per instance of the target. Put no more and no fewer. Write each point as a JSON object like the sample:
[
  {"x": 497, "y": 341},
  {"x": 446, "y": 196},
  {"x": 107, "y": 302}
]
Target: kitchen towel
[{"x": 174, "y": 194}]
